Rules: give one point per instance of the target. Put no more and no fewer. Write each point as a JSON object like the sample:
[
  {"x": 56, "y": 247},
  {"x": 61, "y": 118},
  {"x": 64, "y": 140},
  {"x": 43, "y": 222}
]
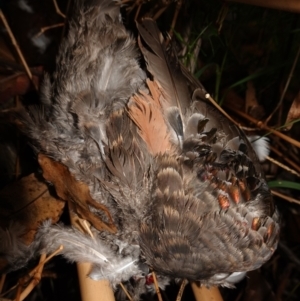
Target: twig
[
  {"x": 14, "y": 42},
  {"x": 286, "y": 148},
  {"x": 285, "y": 87},
  {"x": 159, "y": 297},
  {"x": 36, "y": 274},
  {"x": 125, "y": 291},
  {"x": 289, "y": 161},
  {"x": 181, "y": 290},
  {"x": 285, "y": 197},
  {"x": 44, "y": 29},
  {"x": 262, "y": 126},
  {"x": 17, "y": 164},
  {"x": 35, "y": 281},
  {"x": 292, "y": 171},
  {"x": 174, "y": 20},
  {"x": 2, "y": 280},
  {"x": 288, "y": 5},
  {"x": 58, "y": 11}
]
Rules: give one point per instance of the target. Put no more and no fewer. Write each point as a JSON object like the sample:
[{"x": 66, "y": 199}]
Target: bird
[{"x": 182, "y": 183}]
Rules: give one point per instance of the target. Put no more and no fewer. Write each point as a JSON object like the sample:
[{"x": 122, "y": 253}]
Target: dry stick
[
  {"x": 286, "y": 148},
  {"x": 18, "y": 293},
  {"x": 174, "y": 20},
  {"x": 2, "y": 280},
  {"x": 285, "y": 197},
  {"x": 14, "y": 42},
  {"x": 36, "y": 274},
  {"x": 262, "y": 126},
  {"x": 58, "y": 11},
  {"x": 160, "y": 12},
  {"x": 36, "y": 279},
  {"x": 137, "y": 12},
  {"x": 125, "y": 291},
  {"x": 206, "y": 294},
  {"x": 181, "y": 290},
  {"x": 8, "y": 291},
  {"x": 44, "y": 29},
  {"x": 159, "y": 297},
  {"x": 289, "y": 161},
  {"x": 18, "y": 166},
  {"x": 215, "y": 104},
  {"x": 288, "y": 169},
  {"x": 288, "y": 5},
  {"x": 90, "y": 290},
  {"x": 221, "y": 17},
  {"x": 286, "y": 86}
]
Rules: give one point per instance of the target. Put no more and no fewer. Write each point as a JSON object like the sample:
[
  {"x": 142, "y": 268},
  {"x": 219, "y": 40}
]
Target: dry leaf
[
  {"x": 251, "y": 104},
  {"x": 17, "y": 84},
  {"x": 29, "y": 203},
  {"x": 294, "y": 112},
  {"x": 69, "y": 189}
]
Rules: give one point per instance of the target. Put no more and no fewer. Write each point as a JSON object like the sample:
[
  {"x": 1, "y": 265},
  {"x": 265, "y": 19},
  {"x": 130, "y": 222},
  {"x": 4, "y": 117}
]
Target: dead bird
[{"x": 182, "y": 183}]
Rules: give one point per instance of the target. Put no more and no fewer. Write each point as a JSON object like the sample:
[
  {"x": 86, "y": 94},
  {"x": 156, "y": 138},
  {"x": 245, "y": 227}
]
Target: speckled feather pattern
[{"x": 198, "y": 209}]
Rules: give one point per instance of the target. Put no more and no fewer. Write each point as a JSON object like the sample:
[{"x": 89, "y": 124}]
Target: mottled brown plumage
[{"x": 182, "y": 183}]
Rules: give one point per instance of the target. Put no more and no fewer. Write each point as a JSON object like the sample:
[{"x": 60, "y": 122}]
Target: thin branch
[
  {"x": 181, "y": 290},
  {"x": 2, "y": 280},
  {"x": 58, "y": 11},
  {"x": 261, "y": 125},
  {"x": 285, "y": 87},
  {"x": 125, "y": 291},
  {"x": 159, "y": 297},
  {"x": 296, "y": 167},
  {"x": 14, "y": 42},
  {"x": 285, "y": 197},
  {"x": 44, "y": 29},
  {"x": 292, "y": 171}
]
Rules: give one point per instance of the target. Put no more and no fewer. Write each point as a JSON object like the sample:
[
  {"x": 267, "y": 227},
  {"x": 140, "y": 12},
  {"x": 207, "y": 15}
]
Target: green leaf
[{"x": 284, "y": 184}]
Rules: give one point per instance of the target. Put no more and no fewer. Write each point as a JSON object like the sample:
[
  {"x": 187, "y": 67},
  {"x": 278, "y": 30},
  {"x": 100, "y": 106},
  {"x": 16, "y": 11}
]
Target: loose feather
[
  {"x": 78, "y": 247},
  {"x": 261, "y": 145}
]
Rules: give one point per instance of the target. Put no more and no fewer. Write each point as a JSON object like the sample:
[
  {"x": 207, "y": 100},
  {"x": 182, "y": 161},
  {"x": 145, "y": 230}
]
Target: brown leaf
[
  {"x": 69, "y": 189},
  {"x": 17, "y": 84},
  {"x": 251, "y": 103},
  {"x": 294, "y": 112},
  {"x": 28, "y": 202}
]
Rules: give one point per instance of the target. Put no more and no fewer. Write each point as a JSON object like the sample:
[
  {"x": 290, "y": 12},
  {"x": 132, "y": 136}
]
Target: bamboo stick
[
  {"x": 90, "y": 290},
  {"x": 203, "y": 293}
]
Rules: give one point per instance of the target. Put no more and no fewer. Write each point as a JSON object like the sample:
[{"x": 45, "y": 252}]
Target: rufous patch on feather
[{"x": 146, "y": 112}]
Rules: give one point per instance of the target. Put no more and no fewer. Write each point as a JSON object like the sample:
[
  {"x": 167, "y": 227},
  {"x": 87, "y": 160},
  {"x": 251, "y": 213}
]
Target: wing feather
[{"x": 164, "y": 67}]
